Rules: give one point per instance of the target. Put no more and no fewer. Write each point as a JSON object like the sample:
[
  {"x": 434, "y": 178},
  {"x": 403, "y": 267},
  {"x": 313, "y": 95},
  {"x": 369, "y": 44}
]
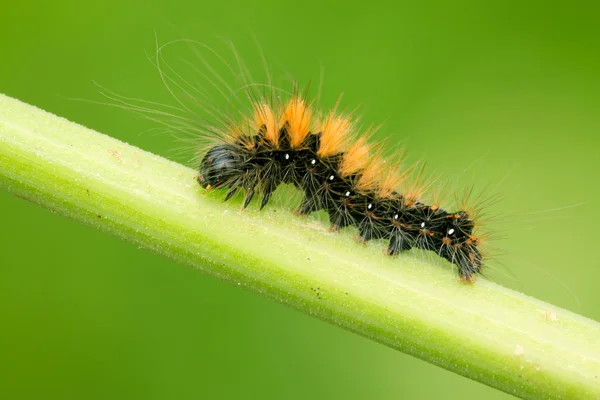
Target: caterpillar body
[{"x": 337, "y": 171}]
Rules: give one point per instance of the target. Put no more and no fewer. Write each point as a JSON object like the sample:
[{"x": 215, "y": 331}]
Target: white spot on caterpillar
[{"x": 451, "y": 231}]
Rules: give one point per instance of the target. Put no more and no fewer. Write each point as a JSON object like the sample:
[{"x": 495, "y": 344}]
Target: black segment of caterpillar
[{"x": 344, "y": 179}]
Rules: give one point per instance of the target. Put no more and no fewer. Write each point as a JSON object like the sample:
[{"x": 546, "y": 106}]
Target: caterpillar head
[{"x": 220, "y": 165}]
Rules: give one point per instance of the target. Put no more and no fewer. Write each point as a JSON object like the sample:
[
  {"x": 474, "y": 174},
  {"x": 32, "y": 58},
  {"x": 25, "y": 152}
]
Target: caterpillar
[
  {"x": 324, "y": 154},
  {"x": 337, "y": 170}
]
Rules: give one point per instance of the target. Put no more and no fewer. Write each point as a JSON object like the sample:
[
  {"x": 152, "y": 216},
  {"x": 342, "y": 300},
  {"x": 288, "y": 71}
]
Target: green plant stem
[{"x": 484, "y": 331}]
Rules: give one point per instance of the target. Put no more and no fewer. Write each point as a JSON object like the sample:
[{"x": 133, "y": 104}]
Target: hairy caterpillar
[
  {"x": 288, "y": 140},
  {"x": 320, "y": 155}
]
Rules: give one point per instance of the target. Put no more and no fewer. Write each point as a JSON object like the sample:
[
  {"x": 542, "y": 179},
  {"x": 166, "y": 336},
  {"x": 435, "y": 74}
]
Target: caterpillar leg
[
  {"x": 248, "y": 198},
  {"x": 231, "y": 193},
  {"x": 371, "y": 228},
  {"x": 468, "y": 270},
  {"x": 399, "y": 241},
  {"x": 361, "y": 240},
  {"x": 339, "y": 218},
  {"x": 467, "y": 260},
  {"x": 265, "y": 199},
  {"x": 307, "y": 206},
  {"x": 366, "y": 233}
]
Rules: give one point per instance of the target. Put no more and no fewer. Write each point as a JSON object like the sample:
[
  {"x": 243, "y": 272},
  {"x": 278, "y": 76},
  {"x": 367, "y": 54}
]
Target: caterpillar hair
[
  {"x": 284, "y": 138},
  {"x": 323, "y": 155}
]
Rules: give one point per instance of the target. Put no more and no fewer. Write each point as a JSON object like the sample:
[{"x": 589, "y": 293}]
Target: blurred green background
[{"x": 492, "y": 94}]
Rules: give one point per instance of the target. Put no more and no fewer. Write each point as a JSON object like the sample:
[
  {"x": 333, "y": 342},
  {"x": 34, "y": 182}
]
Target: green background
[{"x": 500, "y": 95}]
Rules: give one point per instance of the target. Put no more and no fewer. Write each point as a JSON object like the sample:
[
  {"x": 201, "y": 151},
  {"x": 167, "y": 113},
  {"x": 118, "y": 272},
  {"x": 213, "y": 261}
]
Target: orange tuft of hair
[
  {"x": 265, "y": 119},
  {"x": 334, "y": 135},
  {"x": 373, "y": 165},
  {"x": 414, "y": 190},
  {"x": 438, "y": 193},
  {"x": 390, "y": 181},
  {"x": 372, "y": 174},
  {"x": 356, "y": 158},
  {"x": 391, "y": 178},
  {"x": 298, "y": 116}
]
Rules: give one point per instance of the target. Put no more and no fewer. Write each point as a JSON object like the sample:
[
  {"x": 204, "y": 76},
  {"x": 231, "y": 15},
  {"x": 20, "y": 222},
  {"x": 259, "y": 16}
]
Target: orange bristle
[
  {"x": 298, "y": 117},
  {"x": 414, "y": 191},
  {"x": 372, "y": 174},
  {"x": 390, "y": 181},
  {"x": 393, "y": 174},
  {"x": 265, "y": 120},
  {"x": 356, "y": 158},
  {"x": 334, "y": 130}
]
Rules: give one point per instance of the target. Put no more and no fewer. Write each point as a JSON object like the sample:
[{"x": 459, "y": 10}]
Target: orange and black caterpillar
[{"x": 291, "y": 144}]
